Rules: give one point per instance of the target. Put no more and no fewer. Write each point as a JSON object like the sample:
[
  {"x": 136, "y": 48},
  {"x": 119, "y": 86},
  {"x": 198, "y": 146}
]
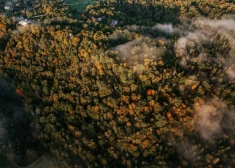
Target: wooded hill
[{"x": 156, "y": 90}]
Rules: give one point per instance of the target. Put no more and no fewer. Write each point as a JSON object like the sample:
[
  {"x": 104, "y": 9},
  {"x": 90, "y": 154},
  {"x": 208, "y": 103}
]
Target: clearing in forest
[{"x": 80, "y": 5}]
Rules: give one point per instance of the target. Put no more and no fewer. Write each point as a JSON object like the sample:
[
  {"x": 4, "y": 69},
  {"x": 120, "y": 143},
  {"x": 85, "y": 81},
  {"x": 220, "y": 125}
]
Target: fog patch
[
  {"x": 166, "y": 28},
  {"x": 229, "y": 120},
  {"x": 138, "y": 52},
  {"x": 204, "y": 32},
  {"x": 208, "y": 117},
  {"x": 187, "y": 150},
  {"x": 231, "y": 71}
]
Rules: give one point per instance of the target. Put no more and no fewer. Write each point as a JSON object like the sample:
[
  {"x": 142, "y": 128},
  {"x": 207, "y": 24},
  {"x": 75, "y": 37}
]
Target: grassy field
[{"x": 80, "y": 5}]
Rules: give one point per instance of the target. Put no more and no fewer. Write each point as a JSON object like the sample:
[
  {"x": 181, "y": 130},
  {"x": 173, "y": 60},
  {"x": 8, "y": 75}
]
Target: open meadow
[{"x": 80, "y": 5}]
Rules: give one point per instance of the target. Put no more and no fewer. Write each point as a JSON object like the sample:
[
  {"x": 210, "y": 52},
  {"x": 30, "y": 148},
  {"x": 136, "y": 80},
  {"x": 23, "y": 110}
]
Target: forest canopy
[{"x": 131, "y": 84}]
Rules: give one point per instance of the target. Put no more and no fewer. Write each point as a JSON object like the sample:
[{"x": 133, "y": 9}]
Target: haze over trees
[{"x": 155, "y": 90}]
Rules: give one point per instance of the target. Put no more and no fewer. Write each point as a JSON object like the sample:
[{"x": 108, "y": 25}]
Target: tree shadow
[
  {"x": 15, "y": 132},
  {"x": 142, "y": 19},
  {"x": 148, "y": 14}
]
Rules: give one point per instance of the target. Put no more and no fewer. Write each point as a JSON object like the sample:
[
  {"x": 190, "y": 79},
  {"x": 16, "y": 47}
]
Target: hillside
[{"x": 130, "y": 84}]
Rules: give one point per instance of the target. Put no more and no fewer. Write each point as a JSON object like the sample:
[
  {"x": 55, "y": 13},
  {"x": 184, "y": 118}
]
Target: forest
[{"x": 131, "y": 83}]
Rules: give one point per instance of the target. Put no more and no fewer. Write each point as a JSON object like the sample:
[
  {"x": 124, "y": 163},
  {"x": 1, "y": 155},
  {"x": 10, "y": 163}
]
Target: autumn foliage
[{"x": 120, "y": 96}]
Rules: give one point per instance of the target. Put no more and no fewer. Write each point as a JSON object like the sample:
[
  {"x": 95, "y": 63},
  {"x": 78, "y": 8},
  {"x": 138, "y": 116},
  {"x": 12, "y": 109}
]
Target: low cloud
[
  {"x": 204, "y": 32},
  {"x": 229, "y": 120},
  {"x": 194, "y": 36},
  {"x": 136, "y": 52},
  {"x": 208, "y": 118},
  {"x": 183, "y": 44},
  {"x": 187, "y": 149},
  {"x": 166, "y": 28},
  {"x": 231, "y": 71}
]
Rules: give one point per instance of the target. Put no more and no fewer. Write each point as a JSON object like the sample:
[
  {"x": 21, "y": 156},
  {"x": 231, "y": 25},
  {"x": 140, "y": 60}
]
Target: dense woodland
[{"x": 156, "y": 90}]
